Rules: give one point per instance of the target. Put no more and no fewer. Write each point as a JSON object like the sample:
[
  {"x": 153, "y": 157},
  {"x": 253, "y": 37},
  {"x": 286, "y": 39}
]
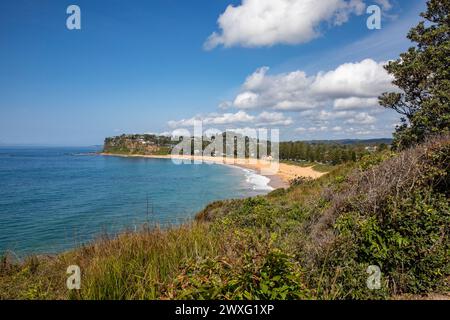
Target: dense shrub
[
  {"x": 395, "y": 215},
  {"x": 271, "y": 276}
]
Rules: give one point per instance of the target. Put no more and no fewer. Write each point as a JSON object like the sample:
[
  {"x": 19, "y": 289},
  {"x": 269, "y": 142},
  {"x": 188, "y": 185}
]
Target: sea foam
[{"x": 257, "y": 181}]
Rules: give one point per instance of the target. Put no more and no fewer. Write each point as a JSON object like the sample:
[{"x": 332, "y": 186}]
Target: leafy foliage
[
  {"x": 423, "y": 75},
  {"x": 314, "y": 240},
  {"x": 273, "y": 276},
  {"x": 402, "y": 227}
]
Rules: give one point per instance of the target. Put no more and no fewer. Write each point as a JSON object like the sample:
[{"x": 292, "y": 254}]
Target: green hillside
[{"x": 312, "y": 241}]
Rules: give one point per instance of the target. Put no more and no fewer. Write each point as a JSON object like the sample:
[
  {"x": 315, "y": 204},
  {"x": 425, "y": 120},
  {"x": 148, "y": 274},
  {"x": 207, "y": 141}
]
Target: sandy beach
[{"x": 280, "y": 179}]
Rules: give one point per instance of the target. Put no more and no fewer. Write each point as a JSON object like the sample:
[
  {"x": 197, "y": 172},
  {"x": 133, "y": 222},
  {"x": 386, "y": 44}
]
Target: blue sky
[{"x": 142, "y": 66}]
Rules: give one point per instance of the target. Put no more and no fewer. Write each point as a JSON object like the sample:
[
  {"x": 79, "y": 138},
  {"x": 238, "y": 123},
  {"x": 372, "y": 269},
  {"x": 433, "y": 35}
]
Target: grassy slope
[{"x": 314, "y": 240}]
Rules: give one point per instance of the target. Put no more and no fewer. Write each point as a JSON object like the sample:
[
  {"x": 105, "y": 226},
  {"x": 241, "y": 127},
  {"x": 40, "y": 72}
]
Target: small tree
[{"x": 423, "y": 75}]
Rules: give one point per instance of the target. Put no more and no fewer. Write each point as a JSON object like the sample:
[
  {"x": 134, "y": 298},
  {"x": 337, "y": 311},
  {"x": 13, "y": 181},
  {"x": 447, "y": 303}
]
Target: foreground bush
[
  {"x": 312, "y": 241},
  {"x": 395, "y": 215}
]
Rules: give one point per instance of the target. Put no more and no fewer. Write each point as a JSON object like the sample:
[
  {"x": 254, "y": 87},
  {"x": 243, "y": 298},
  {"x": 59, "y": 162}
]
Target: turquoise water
[{"x": 53, "y": 199}]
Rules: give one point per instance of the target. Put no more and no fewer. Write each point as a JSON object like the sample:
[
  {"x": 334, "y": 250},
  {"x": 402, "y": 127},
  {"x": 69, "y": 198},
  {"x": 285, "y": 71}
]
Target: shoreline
[{"x": 281, "y": 179}]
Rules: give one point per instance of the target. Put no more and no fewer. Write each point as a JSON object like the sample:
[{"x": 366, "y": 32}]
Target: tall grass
[
  {"x": 132, "y": 266},
  {"x": 314, "y": 240},
  {"x": 139, "y": 265}
]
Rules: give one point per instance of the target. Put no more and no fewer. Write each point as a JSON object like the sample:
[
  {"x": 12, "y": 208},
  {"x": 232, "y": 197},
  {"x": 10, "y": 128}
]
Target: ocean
[{"x": 55, "y": 199}]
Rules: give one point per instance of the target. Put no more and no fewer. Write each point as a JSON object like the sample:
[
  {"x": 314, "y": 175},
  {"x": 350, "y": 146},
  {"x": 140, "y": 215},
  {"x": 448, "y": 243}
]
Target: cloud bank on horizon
[
  {"x": 347, "y": 95},
  {"x": 260, "y": 23},
  {"x": 240, "y": 117}
]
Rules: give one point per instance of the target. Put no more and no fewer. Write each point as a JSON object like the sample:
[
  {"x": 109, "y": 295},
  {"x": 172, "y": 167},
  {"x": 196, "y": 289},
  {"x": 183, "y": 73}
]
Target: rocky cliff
[{"x": 144, "y": 144}]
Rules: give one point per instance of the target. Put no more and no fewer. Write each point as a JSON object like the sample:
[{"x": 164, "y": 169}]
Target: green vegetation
[
  {"x": 138, "y": 144},
  {"x": 312, "y": 241},
  {"x": 133, "y": 266},
  {"x": 315, "y": 240},
  {"x": 331, "y": 153},
  {"x": 423, "y": 75},
  {"x": 322, "y": 156}
]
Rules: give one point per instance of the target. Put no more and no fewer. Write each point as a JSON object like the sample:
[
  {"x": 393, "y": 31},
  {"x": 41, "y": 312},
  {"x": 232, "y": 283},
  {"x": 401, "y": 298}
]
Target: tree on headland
[{"x": 423, "y": 75}]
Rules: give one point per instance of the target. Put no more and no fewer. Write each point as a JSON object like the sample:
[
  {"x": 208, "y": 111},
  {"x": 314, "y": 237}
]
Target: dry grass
[
  {"x": 132, "y": 266},
  {"x": 231, "y": 235},
  {"x": 366, "y": 189}
]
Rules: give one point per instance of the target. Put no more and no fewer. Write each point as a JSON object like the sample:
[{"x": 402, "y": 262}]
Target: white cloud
[
  {"x": 348, "y": 117},
  {"x": 240, "y": 117},
  {"x": 246, "y": 100},
  {"x": 361, "y": 131},
  {"x": 362, "y": 118},
  {"x": 328, "y": 102},
  {"x": 280, "y": 92},
  {"x": 362, "y": 79},
  {"x": 214, "y": 119},
  {"x": 257, "y": 23},
  {"x": 178, "y": 133},
  {"x": 273, "y": 119},
  {"x": 355, "y": 103},
  {"x": 311, "y": 129},
  {"x": 331, "y": 115},
  {"x": 349, "y": 86},
  {"x": 228, "y": 118},
  {"x": 340, "y": 102},
  {"x": 212, "y": 132},
  {"x": 247, "y": 131},
  {"x": 337, "y": 131}
]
